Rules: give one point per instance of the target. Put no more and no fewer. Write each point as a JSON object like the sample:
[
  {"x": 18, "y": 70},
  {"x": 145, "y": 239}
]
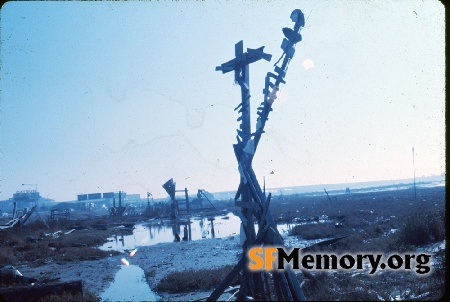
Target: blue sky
[{"x": 109, "y": 96}]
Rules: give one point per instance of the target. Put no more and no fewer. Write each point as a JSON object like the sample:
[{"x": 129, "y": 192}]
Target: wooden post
[
  {"x": 187, "y": 200},
  {"x": 14, "y": 210},
  {"x": 169, "y": 186},
  {"x": 254, "y": 284}
]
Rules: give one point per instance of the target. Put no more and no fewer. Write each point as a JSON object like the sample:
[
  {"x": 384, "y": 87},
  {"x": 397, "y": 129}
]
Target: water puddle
[
  {"x": 129, "y": 285},
  {"x": 197, "y": 228},
  {"x": 145, "y": 234}
]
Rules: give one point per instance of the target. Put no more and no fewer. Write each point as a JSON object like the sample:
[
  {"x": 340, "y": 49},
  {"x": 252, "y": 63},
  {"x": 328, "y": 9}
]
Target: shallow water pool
[
  {"x": 129, "y": 285},
  {"x": 145, "y": 234}
]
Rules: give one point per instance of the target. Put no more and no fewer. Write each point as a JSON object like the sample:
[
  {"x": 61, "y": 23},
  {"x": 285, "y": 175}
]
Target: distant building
[
  {"x": 24, "y": 199},
  {"x": 133, "y": 197},
  {"x": 107, "y": 199},
  {"x": 7, "y": 206},
  {"x": 26, "y": 195}
]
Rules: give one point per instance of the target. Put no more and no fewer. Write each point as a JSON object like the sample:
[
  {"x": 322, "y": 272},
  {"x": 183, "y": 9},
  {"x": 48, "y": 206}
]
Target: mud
[{"x": 158, "y": 260}]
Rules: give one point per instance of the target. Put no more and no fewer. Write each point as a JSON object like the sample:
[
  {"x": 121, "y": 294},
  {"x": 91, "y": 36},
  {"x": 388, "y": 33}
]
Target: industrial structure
[
  {"x": 115, "y": 201},
  {"x": 181, "y": 205},
  {"x": 25, "y": 204}
]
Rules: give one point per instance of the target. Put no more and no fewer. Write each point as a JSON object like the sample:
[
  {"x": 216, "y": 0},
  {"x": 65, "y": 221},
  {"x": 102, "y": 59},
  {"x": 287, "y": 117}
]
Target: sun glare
[
  {"x": 308, "y": 64},
  {"x": 125, "y": 261}
]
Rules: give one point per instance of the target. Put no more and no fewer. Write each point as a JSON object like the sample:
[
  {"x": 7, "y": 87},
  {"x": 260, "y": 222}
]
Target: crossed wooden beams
[{"x": 253, "y": 201}]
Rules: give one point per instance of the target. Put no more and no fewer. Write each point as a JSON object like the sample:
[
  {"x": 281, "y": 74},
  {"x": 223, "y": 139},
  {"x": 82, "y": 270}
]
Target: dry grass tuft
[{"x": 192, "y": 280}]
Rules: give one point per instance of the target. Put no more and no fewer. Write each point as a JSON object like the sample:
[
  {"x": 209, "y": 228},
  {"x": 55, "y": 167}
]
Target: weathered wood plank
[
  {"x": 294, "y": 286},
  {"x": 247, "y": 205},
  {"x": 222, "y": 286}
]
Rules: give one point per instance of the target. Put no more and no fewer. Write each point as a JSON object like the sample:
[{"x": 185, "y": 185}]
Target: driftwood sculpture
[
  {"x": 183, "y": 206},
  {"x": 283, "y": 285}
]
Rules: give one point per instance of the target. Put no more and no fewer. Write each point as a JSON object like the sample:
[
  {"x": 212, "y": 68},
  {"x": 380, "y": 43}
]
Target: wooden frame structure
[
  {"x": 249, "y": 196},
  {"x": 177, "y": 211}
]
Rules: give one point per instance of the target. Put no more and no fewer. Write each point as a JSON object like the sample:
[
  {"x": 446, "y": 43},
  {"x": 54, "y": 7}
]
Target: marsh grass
[
  {"x": 67, "y": 297},
  {"x": 345, "y": 286},
  {"x": 420, "y": 229},
  {"x": 35, "y": 244},
  {"x": 193, "y": 280},
  {"x": 318, "y": 230}
]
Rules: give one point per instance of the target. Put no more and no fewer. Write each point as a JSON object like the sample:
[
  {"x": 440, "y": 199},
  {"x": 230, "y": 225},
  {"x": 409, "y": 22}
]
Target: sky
[{"x": 109, "y": 96}]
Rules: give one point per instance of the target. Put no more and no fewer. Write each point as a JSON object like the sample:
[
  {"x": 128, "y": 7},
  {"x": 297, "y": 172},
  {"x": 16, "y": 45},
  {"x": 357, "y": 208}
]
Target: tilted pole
[
  {"x": 414, "y": 168},
  {"x": 292, "y": 37}
]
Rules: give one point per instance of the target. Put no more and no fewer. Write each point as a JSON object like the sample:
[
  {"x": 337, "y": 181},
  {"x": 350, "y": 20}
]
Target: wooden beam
[
  {"x": 247, "y": 205},
  {"x": 222, "y": 286},
  {"x": 294, "y": 286}
]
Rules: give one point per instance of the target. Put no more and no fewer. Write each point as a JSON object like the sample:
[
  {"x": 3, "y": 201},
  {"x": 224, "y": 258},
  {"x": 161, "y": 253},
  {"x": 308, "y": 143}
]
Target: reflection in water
[
  {"x": 129, "y": 285},
  {"x": 155, "y": 227},
  {"x": 190, "y": 231},
  {"x": 186, "y": 236},
  {"x": 176, "y": 227},
  {"x": 187, "y": 229},
  {"x": 176, "y": 231},
  {"x": 117, "y": 239},
  {"x": 159, "y": 231},
  {"x": 197, "y": 228}
]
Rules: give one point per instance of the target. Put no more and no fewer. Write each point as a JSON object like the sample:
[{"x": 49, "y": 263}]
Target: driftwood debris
[
  {"x": 229, "y": 289},
  {"x": 117, "y": 212},
  {"x": 330, "y": 198},
  {"x": 253, "y": 201},
  {"x": 169, "y": 186},
  {"x": 181, "y": 204},
  {"x": 30, "y": 293},
  {"x": 22, "y": 219}
]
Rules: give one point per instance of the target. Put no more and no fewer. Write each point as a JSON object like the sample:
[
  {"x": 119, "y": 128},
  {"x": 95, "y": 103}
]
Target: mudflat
[{"x": 157, "y": 261}]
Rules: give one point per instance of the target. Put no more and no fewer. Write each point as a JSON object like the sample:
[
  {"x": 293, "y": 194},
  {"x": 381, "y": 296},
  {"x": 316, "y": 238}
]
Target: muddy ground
[
  {"x": 158, "y": 261},
  {"x": 372, "y": 221}
]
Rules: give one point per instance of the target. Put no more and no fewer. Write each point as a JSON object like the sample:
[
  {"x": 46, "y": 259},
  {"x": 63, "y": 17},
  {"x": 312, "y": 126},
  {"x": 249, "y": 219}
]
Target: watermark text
[{"x": 278, "y": 258}]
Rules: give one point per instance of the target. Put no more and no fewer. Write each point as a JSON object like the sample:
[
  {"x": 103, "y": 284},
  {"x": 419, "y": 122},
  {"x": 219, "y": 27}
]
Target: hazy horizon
[{"x": 355, "y": 186}]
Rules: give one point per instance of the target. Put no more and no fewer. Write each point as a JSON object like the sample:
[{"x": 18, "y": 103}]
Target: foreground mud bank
[{"x": 157, "y": 261}]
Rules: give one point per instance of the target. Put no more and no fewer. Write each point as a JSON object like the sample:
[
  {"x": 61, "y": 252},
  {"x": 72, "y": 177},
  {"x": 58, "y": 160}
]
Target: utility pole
[
  {"x": 414, "y": 168},
  {"x": 148, "y": 199}
]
